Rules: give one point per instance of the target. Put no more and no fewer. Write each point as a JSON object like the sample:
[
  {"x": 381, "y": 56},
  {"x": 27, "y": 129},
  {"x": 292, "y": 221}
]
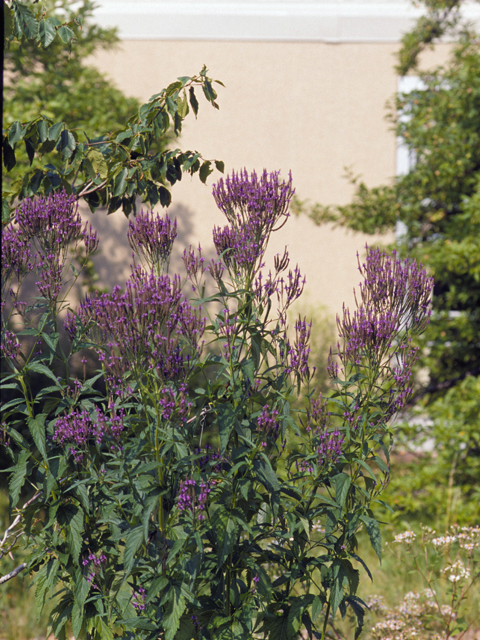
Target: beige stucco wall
[{"x": 312, "y": 108}]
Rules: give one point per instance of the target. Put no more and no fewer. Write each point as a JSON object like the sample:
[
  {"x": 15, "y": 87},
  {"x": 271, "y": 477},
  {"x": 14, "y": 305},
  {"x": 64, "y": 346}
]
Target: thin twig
[
  {"x": 13, "y": 573},
  {"x": 85, "y": 192}
]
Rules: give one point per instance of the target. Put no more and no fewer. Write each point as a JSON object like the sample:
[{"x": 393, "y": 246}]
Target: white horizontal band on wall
[{"x": 317, "y": 20}]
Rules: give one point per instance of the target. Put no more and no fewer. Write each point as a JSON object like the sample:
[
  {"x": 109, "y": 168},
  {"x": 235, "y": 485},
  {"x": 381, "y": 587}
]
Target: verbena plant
[{"x": 173, "y": 506}]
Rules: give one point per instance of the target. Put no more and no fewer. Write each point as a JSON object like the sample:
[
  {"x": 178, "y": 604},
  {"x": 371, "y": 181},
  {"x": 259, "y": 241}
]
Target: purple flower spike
[
  {"x": 254, "y": 208},
  {"x": 152, "y": 236}
]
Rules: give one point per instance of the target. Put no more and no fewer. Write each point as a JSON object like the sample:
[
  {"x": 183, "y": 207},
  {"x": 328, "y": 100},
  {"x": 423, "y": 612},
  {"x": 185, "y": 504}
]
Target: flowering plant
[
  {"x": 448, "y": 566},
  {"x": 172, "y": 504}
]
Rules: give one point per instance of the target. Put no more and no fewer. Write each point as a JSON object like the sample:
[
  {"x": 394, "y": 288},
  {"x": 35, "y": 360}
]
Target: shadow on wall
[{"x": 114, "y": 257}]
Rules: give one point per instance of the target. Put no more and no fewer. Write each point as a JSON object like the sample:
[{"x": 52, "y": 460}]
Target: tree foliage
[
  {"x": 438, "y": 202},
  {"x": 111, "y": 163}
]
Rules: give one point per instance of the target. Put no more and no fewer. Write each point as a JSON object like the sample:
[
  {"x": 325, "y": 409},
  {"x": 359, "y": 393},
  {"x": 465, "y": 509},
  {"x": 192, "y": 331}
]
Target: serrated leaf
[
  {"x": 226, "y": 423},
  {"x": 373, "y": 530},
  {"x": 175, "y": 608},
  {"x": 225, "y": 528},
  {"x": 66, "y": 34},
  {"x": 46, "y": 32},
  {"x": 341, "y": 483},
  {"x": 18, "y": 477},
  {"x": 25, "y": 22},
  {"x": 133, "y": 542},
  {"x": 5, "y": 211},
  {"x": 36, "y": 427}
]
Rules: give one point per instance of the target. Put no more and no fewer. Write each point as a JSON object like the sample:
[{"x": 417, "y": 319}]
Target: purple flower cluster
[
  {"x": 268, "y": 423},
  {"x": 76, "y": 429},
  {"x": 93, "y": 563},
  {"x": 393, "y": 307},
  {"x": 151, "y": 325},
  {"x": 188, "y": 500},
  {"x": 254, "y": 207},
  {"x": 17, "y": 258},
  {"x": 209, "y": 456},
  {"x": 328, "y": 442},
  {"x": 153, "y": 236},
  {"x": 51, "y": 224},
  {"x": 297, "y": 354},
  {"x": 138, "y": 599},
  {"x": 10, "y": 346}
]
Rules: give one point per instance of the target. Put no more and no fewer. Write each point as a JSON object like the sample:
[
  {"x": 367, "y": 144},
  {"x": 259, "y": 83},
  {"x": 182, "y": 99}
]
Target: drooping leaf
[{"x": 46, "y": 32}]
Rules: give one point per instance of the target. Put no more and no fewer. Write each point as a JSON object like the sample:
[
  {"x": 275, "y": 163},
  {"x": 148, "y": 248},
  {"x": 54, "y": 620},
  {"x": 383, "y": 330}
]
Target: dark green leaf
[
  {"x": 30, "y": 149},
  {"x": 25, "y": 22},
  {"x": 18, "y": 477},
  {"x": 66, "y": 34},
  {"x": 205, "y": 171},
  {"x": 225, "y": 528},
  {"x": 9, "y": 160},
  {"x": 46, "y": 32},
  {"x": 66, "y": 144},
  {"x": 134, "y": 539},
  {"x": 373, "y": 530},
  {"x": 341, "y": 483},
  {"x": 54, "y": 131},
  {"x": 193, "y": 101},
  {"x": 5, "y": 211},
  {"x": 37, "y": 429},
  {"x": 119, "y": 184},
  {"x": 220, "y": 165},
  {"x": 226, "y": 422},
  {"x": 16, "y": 133}
]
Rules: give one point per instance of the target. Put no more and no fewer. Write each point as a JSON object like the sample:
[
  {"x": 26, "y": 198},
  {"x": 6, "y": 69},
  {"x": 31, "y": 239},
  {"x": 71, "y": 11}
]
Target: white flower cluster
[
  {"x": 406, "y": 536},
  {"x": 457, "y": 571},
  {"x": 443, "y": 541}
]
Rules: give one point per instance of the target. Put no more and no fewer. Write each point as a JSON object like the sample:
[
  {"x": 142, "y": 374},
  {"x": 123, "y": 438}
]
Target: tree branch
[{"x": 13, "y": 573}]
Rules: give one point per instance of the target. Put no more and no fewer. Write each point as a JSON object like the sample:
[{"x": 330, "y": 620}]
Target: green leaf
[
  {"x": 226, "y": 422},
  {"x": 220, "y": 165},
  {"x": 18, "y": 477},
  {"x": 98, "y": 161},
  {"x": 120, "y": 184},
  {"x": 46, "y": 32},
  {"x": 30, "y": 149},
  {"x": 341, "y": 484},
  {"x": 339, "y": 577},
  {"x": 165, "y": 196},
  {"x": 193, "y": 101},
  {"x": 54, "y": 131},
  {"x": 133, "y": 541},
  {"x": 66, "y": 34},
  {"x": 66, "y": 145},
  {"x": 5, "y": 211},
  {"x": 225, "y": 528},
  {"x": 9, "y": 160},
  {"x": 37, "y": 429},
  {"x": 205, "y": 171},
  {"x": 373, "y": 530},
  {"x": 16, "y": 133},
  {"x": 175, "y": 608},
  {"x": 38, "y": 367},
  {"x": 25, "y": 22}
]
